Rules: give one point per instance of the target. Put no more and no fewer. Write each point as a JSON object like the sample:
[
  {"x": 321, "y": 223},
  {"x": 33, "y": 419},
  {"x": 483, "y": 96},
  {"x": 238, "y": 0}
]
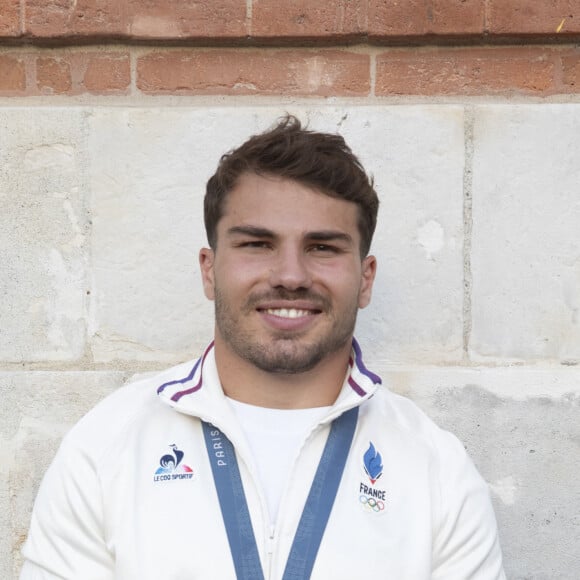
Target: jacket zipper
[{"x": 270, "y": 551}]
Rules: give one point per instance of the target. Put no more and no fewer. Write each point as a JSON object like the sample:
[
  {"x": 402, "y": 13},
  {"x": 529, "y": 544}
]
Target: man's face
[{"x": 286, "y": 275}]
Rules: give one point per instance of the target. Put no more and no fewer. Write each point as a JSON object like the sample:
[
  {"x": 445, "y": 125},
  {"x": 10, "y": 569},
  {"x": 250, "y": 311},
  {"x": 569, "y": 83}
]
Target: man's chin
[
  {"x": 284, "y": 356},
  {"x": 286, "y": 367}
]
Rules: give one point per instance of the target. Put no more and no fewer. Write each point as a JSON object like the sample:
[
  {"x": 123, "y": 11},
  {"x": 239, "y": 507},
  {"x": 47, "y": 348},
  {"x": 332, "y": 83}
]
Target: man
[{"x": 277, "y": 454}]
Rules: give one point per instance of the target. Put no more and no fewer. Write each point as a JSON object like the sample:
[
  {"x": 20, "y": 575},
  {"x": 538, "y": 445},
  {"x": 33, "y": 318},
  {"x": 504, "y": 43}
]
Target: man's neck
[{"x": 318, "y": 387}]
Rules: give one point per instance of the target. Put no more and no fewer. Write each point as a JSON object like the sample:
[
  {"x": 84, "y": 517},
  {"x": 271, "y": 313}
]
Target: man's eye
[
  {"x": 324, "y": 249},
  {"x": 254, "y": 244}
]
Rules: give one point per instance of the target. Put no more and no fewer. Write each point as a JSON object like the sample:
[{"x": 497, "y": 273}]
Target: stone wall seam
[{"x": 467, "y": 228}]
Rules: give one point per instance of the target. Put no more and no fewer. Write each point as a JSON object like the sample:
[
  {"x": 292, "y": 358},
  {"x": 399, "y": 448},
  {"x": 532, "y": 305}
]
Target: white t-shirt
[{"x": 275, "y": 437}]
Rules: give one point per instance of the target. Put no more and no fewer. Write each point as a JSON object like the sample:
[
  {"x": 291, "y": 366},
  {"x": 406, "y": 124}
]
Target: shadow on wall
[{"x": 531, "y": 459}]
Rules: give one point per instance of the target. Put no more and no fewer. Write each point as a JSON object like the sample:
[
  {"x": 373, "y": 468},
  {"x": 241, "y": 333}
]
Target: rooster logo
[
  {"x": 172, "y": 463},
  {"x": 373, "y": 463}
]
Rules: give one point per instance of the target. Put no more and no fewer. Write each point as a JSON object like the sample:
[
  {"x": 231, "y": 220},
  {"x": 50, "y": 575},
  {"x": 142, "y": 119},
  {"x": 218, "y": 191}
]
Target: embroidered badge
[
  {"x": 171, "y": 467},
  {"x": 373, "y": 463},
  {"x": 372, "y": 498}
]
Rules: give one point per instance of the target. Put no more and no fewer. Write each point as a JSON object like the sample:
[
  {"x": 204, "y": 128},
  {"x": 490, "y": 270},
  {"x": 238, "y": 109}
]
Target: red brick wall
[{"x": 355, "y": 48}]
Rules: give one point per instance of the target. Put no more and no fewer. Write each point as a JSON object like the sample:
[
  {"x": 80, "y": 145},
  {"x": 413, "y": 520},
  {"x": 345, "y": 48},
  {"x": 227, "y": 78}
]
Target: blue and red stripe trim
[
  {"x": 362, "y": 369},
  {"x": 176, "y": 396}
]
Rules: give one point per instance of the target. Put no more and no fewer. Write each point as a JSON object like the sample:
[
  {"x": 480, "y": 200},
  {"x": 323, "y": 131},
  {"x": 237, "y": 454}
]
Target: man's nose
[{"x": 290, "y": 269}]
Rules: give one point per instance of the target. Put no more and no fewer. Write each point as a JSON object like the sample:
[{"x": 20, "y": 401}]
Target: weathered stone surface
[
  {"x": 139, "y": 175},
  {"x": 37, "y": 409},
  {"x": 147, "y": 184},
  {"x": 417, "y": 157},
  {"x": 526, "y": 245},
  {"x": 43, "y": 222},
  {"x": 520, "y": 426},
  {"x": 148, "y": 175}
]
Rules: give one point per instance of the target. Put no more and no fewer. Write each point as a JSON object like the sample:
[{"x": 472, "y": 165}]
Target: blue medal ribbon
[
  {"x": 315, "y": 514},
  {"x": 233, "y": 504}
]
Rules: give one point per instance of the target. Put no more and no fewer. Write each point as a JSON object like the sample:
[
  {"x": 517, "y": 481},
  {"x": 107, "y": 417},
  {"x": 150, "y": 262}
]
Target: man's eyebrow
[
  {"x": 253, "y": 231},
  {"x": 329, "y": 236},
  {"x": 315, "y": 236}
]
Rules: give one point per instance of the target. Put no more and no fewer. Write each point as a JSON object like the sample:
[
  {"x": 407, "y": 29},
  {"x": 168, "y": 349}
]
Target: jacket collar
[{"x": 195, "y": 388}]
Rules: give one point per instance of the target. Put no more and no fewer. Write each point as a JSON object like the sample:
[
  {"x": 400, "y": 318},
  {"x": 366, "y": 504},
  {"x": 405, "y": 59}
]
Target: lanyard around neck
[{"x": 316, "y": 510}]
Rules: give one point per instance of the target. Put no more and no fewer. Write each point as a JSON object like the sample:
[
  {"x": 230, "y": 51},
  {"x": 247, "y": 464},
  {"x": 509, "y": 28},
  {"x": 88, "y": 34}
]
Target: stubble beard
[{"x": 284, "y": 352}]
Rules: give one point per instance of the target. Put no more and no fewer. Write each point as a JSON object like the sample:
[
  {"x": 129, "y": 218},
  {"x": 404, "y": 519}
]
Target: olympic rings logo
[{"x": 371, "y": 503}]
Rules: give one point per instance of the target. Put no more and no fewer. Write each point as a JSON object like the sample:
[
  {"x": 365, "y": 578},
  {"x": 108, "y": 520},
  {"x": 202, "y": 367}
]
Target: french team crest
[
  {"x": 373, "y": 463},
  {"x": 372, "y": 498},
  {"x": 171, "y": 466}
]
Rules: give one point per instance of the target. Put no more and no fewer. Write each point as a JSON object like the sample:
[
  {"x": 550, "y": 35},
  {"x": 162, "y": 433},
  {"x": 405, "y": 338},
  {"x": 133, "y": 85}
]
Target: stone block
[
  {"x": 38, "y": 408},
  {"x": 148, "y": 176},
  {"x": 520, "y": 427},
  {"x": 526, "y": 245},
  {"x": 43, "y": 222},
  {"x": 417, "y": 156}
]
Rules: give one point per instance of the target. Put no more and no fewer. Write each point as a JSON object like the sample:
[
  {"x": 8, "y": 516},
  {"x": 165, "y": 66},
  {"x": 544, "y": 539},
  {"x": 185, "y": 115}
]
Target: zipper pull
[{"x": 271, "y": 536}]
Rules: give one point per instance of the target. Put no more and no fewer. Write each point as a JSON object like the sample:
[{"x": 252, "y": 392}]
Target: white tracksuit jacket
[{"x": 130, "y": 494}]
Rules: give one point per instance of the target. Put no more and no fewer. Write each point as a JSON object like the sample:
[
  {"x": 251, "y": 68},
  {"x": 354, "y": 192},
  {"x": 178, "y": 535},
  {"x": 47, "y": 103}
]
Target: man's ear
[
  {"x": 206, "y": 263},
  {"x": 369, "y": 270}
]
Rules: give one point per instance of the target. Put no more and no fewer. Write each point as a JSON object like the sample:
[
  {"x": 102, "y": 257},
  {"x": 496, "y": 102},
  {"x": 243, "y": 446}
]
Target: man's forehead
[{"x": 264, "y": 193}]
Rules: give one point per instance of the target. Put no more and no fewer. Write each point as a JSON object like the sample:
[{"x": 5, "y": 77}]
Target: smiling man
[
  {"x": 277, "y": 454},
  {"x": 287, "y": 286}
]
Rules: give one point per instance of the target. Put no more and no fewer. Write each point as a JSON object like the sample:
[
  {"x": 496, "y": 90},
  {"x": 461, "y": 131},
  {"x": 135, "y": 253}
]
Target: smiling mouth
[{"x": 290, "y": 312}]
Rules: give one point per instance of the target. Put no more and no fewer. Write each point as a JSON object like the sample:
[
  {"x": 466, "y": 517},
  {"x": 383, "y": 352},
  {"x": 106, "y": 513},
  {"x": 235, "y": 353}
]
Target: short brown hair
[{"x": 322, "y": 161}]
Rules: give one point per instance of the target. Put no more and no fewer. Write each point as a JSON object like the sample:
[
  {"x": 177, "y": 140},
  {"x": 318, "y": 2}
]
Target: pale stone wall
[{"x": 475, "y": 315}]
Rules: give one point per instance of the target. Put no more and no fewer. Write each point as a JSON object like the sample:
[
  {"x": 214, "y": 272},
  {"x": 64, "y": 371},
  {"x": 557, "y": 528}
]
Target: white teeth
[{"x": 287, "y": 312}]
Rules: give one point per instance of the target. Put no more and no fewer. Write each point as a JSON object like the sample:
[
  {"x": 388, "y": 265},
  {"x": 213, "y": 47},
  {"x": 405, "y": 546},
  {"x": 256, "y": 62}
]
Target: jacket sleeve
[
  {"x": 67, "y": 537},
  {"x": 466, "y": 544}
]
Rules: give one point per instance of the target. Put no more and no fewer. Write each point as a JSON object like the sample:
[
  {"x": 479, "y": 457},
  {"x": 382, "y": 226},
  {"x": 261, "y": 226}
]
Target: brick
[
  {"x": 12, "y": 75},
  {"x": 397, "y": 18},
  {"x": 571, "y": 72},
  {"x": 177, "y": 19},
  {"x": 301, "y": 18},
  {"x": 464, "y": 71},
  {"x": 524, "y": 18},
  {"x": 74, "y": 73},
  {"x": 268, "y": 72},
  {"x": 53, "y": 76},
  {"x": 72, "y": 18},
  {"x": 415, "y": 18},
  {"x": 107, "y": 73},
  {"x": 9, "y": 18},
  {"x": 457, "y": 18}
]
